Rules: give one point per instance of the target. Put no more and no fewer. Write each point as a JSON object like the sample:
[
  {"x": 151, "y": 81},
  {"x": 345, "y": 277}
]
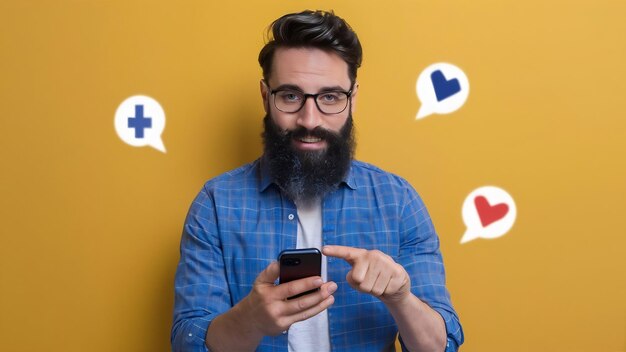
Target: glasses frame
[{"x": 314, "y": 96}]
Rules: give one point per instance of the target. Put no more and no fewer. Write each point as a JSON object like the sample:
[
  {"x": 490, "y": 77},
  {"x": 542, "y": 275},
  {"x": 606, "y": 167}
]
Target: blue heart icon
[{"x": 444, "y": 88}]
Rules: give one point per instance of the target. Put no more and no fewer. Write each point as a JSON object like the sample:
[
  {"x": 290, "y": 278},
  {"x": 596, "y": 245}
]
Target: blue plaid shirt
[{"x": 240, "y": 221}]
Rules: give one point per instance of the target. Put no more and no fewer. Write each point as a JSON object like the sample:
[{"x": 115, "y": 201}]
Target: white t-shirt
[{"x": 311, "y": 334}]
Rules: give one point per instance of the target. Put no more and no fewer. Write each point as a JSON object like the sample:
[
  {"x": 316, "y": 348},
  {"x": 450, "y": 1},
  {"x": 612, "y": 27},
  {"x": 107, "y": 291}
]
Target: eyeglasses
[{"x": 330, "y": 102}]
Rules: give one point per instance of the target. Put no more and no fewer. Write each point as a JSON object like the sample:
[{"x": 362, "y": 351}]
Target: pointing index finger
[{"x": 349, "y": 254}]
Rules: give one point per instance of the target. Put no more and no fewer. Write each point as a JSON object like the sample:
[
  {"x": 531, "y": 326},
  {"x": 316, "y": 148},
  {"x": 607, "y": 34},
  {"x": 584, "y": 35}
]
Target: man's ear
[
  {"x": 353, "y": 96},
  {"x": 265, "y": 95}
]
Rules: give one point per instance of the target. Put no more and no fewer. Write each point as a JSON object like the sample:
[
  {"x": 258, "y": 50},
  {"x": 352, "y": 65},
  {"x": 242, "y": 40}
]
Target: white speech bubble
[
  {"x": 442, "y": 88},
  {"x": 488, "y": 212},
  {"x": 139, "y": 121}
]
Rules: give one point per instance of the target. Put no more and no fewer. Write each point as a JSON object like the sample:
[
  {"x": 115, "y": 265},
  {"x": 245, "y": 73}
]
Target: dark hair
[{"x": 315, "y": 29}]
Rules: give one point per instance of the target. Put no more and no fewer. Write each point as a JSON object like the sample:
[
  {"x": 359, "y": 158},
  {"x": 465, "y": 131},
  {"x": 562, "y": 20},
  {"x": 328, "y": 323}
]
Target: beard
[{"x": 305, "y": 175}]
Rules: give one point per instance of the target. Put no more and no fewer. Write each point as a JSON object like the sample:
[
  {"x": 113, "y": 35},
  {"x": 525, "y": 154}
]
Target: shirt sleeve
[
  {"x": 201, "y": 292},
  {"x": 421, "y": 258}
]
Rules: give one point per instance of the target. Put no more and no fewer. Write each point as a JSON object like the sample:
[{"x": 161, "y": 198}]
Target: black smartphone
[{"x": 299, "y": 263}]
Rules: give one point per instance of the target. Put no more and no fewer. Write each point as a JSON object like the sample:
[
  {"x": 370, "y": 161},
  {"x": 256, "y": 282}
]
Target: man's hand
[
  {"x": 376, "y": 273},
  {"x": 373, "y": 272},
  {"x": 270, "y": 311},
  {"x": 266, "y": 311}
]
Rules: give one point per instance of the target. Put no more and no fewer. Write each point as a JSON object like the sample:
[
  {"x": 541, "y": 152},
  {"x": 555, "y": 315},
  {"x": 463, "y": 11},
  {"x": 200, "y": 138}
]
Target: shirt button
[{"x": 290, "y": 217}]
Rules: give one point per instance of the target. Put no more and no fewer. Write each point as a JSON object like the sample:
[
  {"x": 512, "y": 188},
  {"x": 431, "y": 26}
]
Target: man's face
[
  {"x": 309, "y": 152},
  {"x": 310, "y": 71}
]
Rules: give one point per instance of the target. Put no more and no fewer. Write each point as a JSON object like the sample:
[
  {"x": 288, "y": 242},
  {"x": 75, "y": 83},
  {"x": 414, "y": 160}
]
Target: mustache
[{"x": 317, "y": 132}]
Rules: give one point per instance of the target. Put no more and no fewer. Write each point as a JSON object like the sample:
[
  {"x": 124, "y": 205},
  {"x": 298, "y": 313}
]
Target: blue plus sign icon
[{"x": 139, "y": 122}]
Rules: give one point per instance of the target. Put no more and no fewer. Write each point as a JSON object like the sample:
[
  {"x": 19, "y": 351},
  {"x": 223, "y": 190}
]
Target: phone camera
[{"x": 291, "y": 261}]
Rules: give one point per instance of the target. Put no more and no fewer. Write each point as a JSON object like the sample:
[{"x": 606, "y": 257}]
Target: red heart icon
[{"x": 489, "y": 213}]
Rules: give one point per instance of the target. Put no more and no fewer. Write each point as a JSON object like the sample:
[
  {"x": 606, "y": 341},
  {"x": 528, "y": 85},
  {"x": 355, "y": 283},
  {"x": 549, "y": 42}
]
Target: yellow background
[{"x": 91, "y": 226}]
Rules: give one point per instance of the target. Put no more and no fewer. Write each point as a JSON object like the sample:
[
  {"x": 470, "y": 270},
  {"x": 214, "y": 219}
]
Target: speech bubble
[
  {"x": 442, "y": 88},
  {"x": 139, "y": 121},
  {"x": 488, "y": 212}
]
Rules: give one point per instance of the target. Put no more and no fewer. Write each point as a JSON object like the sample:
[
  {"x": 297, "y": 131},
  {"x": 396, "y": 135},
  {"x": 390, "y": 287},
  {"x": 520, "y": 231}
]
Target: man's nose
[{"x": 309, "y": 116}]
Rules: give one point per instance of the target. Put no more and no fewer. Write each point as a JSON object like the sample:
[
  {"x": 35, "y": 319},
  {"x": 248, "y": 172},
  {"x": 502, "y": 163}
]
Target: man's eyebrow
[
  {"x": 289, "y": 87},
  {"x": 298, "y": 89},
  {"x": 333, "y": 89}
]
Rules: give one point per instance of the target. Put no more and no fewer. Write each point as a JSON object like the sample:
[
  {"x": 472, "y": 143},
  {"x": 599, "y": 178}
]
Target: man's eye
[
  {"x": 329, "y": 98},
  {"x": 290, "y": 96}
]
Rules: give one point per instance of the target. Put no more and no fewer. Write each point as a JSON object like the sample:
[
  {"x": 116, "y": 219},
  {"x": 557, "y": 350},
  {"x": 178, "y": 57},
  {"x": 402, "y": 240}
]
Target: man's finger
[
  {"x": 351, "y": 281},
  {"x": 305, "y": 302},
  {"x": 349, "y": 254},
  {"x": 360, "y": 271},
  {"x": 292, "y": 288},
  {"x": 365, "y": 277},
  {"x": 269, "y": 275},
  {"x": 381, "y": 284},
  {"x": 316, "y": 309}
]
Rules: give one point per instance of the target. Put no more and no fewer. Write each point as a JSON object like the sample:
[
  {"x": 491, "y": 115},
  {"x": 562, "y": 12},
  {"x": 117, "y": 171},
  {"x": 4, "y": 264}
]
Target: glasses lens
[
  {"x": 332, "y": 102},
  {"x": 288, "y": 100}
]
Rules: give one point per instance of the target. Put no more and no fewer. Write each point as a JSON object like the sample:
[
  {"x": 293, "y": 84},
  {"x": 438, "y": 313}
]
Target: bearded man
[{"x": 382, "y": 273}]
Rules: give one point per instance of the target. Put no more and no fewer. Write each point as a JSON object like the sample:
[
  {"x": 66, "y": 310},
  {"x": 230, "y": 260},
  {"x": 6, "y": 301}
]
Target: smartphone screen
[{"x": 299, "y": 263}]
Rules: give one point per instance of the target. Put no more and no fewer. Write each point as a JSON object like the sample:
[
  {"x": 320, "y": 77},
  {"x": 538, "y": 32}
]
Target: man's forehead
[{"x": 309, "y": 68}]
